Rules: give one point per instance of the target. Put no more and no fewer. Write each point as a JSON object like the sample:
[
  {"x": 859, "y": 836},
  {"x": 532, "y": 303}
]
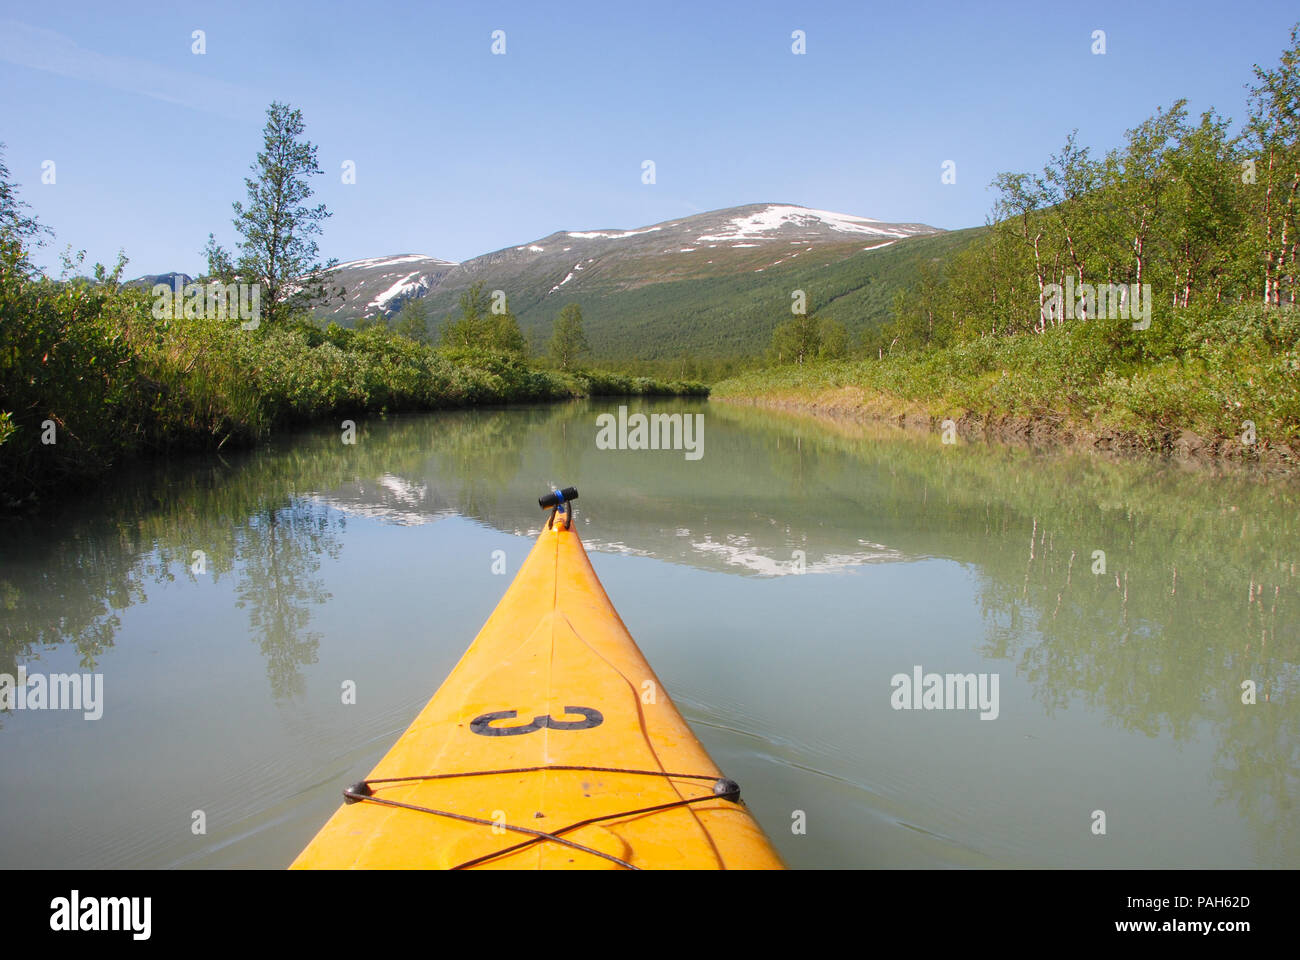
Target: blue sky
[{"x": 459, "y": 152}]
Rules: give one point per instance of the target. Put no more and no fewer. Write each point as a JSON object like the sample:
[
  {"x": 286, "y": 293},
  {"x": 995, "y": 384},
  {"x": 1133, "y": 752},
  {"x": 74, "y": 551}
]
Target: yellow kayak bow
[{"x": 552, "y": 745}]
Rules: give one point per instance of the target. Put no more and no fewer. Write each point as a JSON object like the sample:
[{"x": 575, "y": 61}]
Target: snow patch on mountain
[
  {"x": 408, "y": 284},
  {"x": 599, "y": 234},
  {"x": 391, "y": 262},
  {"x": 757, "y": 226},
  {"x": 567, "y": 278}
]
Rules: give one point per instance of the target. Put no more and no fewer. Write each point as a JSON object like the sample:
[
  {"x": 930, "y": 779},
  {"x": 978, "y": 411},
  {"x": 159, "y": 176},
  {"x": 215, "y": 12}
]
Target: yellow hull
[{"x": 553, "y": 679}]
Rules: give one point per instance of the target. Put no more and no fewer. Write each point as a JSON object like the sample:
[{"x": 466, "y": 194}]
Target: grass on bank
[
  {"x": 89, "y": 377},
  {"x": 1207, "y": 370}
]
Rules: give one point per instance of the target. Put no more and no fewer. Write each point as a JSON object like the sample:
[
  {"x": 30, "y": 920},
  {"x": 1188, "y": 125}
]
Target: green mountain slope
[{"x": 681, "y": 305}]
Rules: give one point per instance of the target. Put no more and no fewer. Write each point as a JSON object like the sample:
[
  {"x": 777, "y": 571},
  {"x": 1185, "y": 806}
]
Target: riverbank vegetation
[
  {"x": 88, "y": 377},
  {"x": 1205, "y": 374},
  {"x": 1150, "y": 291}
]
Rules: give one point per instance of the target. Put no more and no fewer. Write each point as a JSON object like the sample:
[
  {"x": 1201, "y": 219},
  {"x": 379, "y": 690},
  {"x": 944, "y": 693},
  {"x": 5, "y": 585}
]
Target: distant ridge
[{"x": 710, "y": 284}]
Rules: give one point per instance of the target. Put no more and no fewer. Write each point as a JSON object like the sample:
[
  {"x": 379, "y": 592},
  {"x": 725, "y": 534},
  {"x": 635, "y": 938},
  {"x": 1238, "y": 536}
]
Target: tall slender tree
[
  {"x": 1146, "y": 181},
  {"x": 468, "y": 328},
  {"x": 278, "y": 230},
  {"x": 1273, "y": 135},
  {"x": 568, "y": 341},
  {"x": 1068, "y": 181},
  {"x": 1017, "y": 207},
  {"x": 797, "y": 340},
  {"x": 504, "y": 333},
  {"x": 413, "y": 320}
]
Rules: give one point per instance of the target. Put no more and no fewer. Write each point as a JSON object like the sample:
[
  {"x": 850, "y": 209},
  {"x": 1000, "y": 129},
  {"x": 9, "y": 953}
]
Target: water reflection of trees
[
  {"x": 65, "y": 578},
  {"x": 1200, "y": 590},
  {"x": 67, "y": 590},
  {"x": 279, "y": 552}
]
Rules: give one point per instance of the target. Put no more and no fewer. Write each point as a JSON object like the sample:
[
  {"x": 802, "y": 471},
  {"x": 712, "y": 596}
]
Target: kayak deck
[{"x": 552, "y": 681}]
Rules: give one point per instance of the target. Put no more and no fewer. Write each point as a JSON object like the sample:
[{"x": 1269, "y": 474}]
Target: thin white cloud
[{"x": 47, "y": 50}]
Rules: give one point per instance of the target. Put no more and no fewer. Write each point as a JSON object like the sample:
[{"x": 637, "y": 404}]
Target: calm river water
[{"x": 1119, "y": 693}]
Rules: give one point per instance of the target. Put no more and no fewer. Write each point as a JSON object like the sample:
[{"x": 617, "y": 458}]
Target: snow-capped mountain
[
  {"x": 738, "y": 239},
  {"x": 382, "y": 284},
  {"x": 685, "y": 245},
  {"x": 715, "y": 282}
]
